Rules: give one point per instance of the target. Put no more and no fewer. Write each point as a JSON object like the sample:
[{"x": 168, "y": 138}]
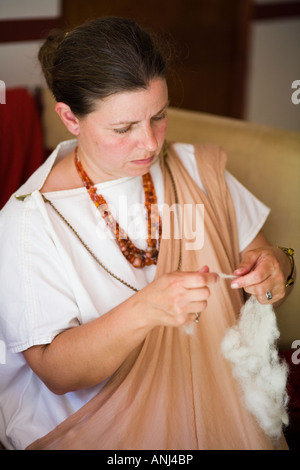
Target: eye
[
  {"x": 160, "y": 117},
  {"x": 122, "y": 131}
]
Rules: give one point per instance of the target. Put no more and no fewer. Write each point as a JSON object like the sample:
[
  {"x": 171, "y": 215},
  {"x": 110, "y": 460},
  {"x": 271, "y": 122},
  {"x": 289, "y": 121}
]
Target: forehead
[{"x": 133, "y": 105}]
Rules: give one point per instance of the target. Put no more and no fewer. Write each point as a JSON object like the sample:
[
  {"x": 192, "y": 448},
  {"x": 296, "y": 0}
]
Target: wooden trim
[
  {"x": 240, "y": 75},
  {"x": 26, "y": 30},
  {"x": 276, "y": 10}
]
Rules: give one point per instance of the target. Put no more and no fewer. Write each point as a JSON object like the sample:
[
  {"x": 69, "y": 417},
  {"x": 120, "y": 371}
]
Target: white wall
[
  {"x": 21, "y": 9},
  {"x": 18, "y": 60},
  {"x": 274, "y": 66}
]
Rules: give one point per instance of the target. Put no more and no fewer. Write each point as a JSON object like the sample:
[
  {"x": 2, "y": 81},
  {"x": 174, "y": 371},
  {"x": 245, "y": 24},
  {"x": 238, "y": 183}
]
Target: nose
[{"x": 148, "y": 140}]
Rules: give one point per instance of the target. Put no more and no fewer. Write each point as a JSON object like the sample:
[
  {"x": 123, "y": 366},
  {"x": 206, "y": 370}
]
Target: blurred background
[{"x": 234, "y": 58}]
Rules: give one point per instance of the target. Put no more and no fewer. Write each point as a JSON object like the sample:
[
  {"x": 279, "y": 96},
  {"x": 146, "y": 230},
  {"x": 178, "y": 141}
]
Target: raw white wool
[
  {"x": 251, "y": 348},
  {"x": 227, "y": 276}
]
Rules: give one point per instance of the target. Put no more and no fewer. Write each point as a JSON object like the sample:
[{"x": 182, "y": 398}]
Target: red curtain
[{"x": 21, "y": 141}]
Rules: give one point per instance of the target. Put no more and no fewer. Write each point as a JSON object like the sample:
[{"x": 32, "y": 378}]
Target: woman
[{"x": 98, "y": 291}]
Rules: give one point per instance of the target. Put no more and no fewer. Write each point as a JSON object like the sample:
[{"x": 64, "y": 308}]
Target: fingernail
[
  {"x": 238, "y": 271},
  {"x": 234, "y": 285},
  {"x": 204, "y": 269}
]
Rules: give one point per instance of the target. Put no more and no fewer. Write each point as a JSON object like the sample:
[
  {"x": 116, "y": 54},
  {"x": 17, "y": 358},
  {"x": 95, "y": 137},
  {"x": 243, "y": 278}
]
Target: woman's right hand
[
  {"x": 84, "y": 356},
  {"x": 174, "y": 298}
]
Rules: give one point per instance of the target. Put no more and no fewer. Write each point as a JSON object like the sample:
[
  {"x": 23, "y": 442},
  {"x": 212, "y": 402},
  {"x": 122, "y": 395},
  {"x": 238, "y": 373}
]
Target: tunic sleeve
[{"x": 37, "y": 302}]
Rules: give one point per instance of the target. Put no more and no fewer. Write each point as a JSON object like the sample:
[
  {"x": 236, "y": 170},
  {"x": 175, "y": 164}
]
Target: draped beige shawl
[{"x": 176, "y": 391}]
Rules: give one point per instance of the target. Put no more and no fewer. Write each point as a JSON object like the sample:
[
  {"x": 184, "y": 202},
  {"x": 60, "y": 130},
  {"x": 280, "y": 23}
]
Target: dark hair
[{"x": 98, "y": 59}]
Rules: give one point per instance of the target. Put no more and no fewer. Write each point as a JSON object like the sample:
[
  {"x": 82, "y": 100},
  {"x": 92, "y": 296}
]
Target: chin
[{"x": 143, "y": 166}]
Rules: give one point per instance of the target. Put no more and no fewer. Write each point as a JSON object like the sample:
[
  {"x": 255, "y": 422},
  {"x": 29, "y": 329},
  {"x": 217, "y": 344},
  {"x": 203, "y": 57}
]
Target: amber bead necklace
[{"x": 137, "y": 257}]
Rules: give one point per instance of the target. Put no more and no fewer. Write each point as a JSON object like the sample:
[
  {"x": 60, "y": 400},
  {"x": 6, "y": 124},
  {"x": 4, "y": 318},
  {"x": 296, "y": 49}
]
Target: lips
[{"x": 144, "y": 161}]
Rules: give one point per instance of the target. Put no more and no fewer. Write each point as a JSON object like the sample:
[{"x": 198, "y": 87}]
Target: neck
[{"x": 96, "y": 174}]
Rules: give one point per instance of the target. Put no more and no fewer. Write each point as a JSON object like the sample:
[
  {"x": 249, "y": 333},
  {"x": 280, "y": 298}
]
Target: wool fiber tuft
[{"x": 251, "y": 348}]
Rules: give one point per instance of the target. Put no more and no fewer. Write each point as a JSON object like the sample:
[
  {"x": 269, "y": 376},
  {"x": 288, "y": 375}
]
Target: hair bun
[{"x": 47, "y": 53}]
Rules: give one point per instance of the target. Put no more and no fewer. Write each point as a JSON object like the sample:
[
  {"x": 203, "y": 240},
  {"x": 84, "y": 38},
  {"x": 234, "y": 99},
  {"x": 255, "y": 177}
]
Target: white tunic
[{"x": 49, "y": 282}]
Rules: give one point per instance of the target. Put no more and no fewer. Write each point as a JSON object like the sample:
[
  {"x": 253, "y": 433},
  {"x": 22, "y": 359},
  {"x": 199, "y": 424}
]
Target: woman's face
[{"x": 125, "y": 133}]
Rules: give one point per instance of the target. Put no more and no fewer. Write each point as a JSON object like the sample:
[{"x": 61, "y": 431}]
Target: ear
[{"x": 68, "y": 117}]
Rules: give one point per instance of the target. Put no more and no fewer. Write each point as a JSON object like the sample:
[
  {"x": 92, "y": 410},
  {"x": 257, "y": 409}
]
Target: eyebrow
[{"x": 135, "y": 122}]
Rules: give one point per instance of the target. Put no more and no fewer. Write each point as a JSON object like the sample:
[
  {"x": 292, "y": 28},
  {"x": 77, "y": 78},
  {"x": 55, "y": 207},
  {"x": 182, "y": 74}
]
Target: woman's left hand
[{"x": 263, "y": 272}]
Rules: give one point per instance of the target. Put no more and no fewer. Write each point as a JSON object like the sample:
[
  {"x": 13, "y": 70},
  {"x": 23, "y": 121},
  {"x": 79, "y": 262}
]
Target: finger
[
  {"x": 205, "y": 279},
  {"x": 247, "y": 264},
  {"x": 191, "y": 280},
  {"x": 264, "y": 300},
  {"x": 242, "y": 270},
  {"x": 197, "y": 294},
  {"x": 215, "y": 276},
  {"x": 252, "y": 279},
  {"x": 184, "y": 316},
  {"x": 189, "y": 300},
  {"x": 260, "y": 291},
  {"x": 204, "y": 269},
  {"x": 198, "y": 306}
]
